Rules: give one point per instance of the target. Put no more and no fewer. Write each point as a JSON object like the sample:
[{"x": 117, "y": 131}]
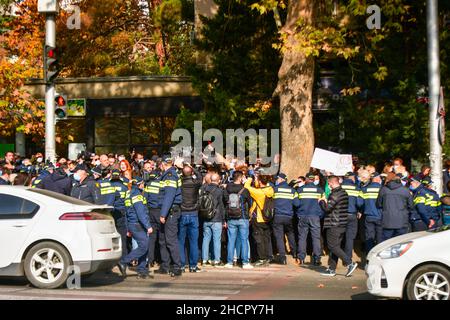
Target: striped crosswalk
[{"x": 212, "y": 284}]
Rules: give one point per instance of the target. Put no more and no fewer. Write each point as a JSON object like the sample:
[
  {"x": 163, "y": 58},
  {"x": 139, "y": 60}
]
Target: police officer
[
  {"x": 354, "y": 204},
  {"x": 285, "y": 198},
  {"x": 170, "y": 211},
  {"x": 426, "y": 211},
  {"x": 152, "y": 181},
  {"x": 107, "y": 191},
  {"x": 85, "y": 187},
  {"x": 119, "y": 213},
  {"x": 372, "y": 214},
  {"x": 139, "y": 225},
  {"x": 47, "y": 170},
  {"x": 309, "y": 214}
]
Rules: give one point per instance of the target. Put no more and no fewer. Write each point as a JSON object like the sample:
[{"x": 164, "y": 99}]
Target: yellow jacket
[{"x": 258, "y": 195}]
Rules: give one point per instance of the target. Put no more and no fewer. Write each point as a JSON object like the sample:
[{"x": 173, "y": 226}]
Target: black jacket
[
  {"x": 190, "y": 187},
  {"x": 396, "y": 202},
  {"x": 245, "y": 196},
  {"x": 336, "y": 209},
  {"x": 88, "y": 190},
  {"x": 220, "y": 199},
  {"x": 58, "y": 182}
]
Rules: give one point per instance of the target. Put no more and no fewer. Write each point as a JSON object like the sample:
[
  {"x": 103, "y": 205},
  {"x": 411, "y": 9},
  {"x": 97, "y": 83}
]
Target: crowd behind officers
[{"x": 176, "y": 216}]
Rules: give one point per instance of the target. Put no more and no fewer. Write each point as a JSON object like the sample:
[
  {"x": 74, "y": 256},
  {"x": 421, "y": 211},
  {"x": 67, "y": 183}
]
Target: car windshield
[
  {"x": 60, "y": 197},
  {"x": 440, "y": 229}
]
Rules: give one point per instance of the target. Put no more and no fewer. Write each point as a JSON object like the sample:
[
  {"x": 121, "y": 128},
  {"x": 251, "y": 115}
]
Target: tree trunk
[{"x": 295, "y": 86}]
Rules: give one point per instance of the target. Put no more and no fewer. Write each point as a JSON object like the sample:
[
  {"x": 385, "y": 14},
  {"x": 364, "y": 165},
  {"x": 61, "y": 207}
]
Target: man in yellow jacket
[{"x": 260, "y": 226}]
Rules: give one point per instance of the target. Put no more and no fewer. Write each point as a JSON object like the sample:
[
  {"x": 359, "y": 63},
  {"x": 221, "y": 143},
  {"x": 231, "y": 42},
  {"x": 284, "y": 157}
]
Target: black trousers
[
  {"x": 168, "y": 241},
  {"x": 153, "y": 246},
  {"x": 334, "y": 240},
  {"x": 283, "y": 225},
  {"x": 261, "y": 236}
]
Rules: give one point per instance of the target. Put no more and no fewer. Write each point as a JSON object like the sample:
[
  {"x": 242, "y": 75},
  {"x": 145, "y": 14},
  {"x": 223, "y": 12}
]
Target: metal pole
[
  {"x": 434, "y": 84},
  {"x": 50, "y": 145}
]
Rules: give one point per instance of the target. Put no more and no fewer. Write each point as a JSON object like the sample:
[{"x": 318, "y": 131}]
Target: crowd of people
[{"x": 180, "y": 216}]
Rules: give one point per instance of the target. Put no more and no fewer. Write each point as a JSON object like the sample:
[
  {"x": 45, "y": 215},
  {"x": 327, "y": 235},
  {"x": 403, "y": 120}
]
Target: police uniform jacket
[
  {"x": 151, "y": 190},
  {"x": 427, "y": 205},
  {"x": 170, "y": 191},
  {"x": 120, "y": 190},
  {"x": 308, "y": 196},
  {"x": 369, "y": 195},
  {"x": 285, "y": 198},
  {"x": 88, "y": 190},
  {"x": 354, "y": 200},
  {"x": 137, "y": 212}
]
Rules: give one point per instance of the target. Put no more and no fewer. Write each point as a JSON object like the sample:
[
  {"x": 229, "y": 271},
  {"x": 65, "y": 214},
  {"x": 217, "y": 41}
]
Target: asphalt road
[{"x": 289, "y": 282}]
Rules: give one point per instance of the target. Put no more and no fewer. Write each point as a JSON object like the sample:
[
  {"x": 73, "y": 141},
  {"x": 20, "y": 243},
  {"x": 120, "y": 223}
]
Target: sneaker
[
  {"x": 218, "y": 264},
  {"x": 196, "y": 269},
  {"x": 351, "y": 268},
  {"x": 317, "y": 262},
  {"x": 176, "y": 273},
  {"x": 162, "y": 271},
  {"x": 228, "y": 266},
  {"x": 143, "y": 276},
  {"x": 260, "y": 263},
  {"x": 329, "y": 273},
  {"x": 247, "y": 266}
]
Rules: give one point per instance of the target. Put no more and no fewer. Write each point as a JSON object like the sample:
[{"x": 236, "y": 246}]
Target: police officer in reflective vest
[
  {"x": 104, "y": 184},
  {"x": 170, "y": 211},
  {"x": 285, "y": 198},
  {"x": 151, "y": 194},
  {"x": 48, "y": 170},
  {"x": 427, "y": 207},
  {"x": 138, "y": 222},
  {"x": 354, "y": 205},
  {"x": 309, "y": 214},
  {"x": 117, "y": 200},
  {"x": 372, "y": 214}
]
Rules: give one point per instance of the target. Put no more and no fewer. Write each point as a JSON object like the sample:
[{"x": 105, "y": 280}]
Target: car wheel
[
  {"x": 46, "y": 265},
  {"x": 429, "y": 282}
]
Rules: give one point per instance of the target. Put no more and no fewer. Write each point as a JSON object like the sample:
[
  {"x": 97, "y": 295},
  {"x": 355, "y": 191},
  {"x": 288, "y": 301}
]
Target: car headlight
[{"x": 395, "y": 251}]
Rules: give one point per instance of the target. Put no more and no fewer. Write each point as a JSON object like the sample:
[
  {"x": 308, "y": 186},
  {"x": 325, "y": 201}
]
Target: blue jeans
[
  {"x": 239, "y": 248},
  {"x": 188, "y": 226},
  {"x": 238, "y": 229},
  {"x": 391, "y": 233},
  {"x": 212, "y": 230},
  {"x": 140, "y": 253}
]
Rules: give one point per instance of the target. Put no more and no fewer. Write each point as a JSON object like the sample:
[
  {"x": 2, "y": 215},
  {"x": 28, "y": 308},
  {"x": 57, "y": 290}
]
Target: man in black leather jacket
[{"x": 336, "y": 215}]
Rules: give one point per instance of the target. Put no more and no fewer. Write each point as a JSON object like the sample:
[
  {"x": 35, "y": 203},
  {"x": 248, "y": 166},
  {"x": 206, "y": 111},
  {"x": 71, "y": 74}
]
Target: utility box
[{"x": 48, "y": 6}]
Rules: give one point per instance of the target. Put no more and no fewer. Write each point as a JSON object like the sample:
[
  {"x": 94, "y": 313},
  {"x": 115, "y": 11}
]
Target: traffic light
[
  {"x": 51, "y": 69},
  {"x": 60, "y": 107}
]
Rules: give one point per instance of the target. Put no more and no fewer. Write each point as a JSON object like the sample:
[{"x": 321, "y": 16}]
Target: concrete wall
[{"x": 119, "y": 87}]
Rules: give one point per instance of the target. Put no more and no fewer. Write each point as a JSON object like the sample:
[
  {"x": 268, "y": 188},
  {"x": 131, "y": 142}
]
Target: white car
[
  {"x": 415, "y": 266},
  {"x": 44, "y": 235}
]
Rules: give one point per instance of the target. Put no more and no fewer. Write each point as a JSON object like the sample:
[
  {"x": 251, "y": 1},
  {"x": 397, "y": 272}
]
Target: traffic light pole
[
  {"x": 434, "y": 84},
  {"x": 50, "y": 138}
]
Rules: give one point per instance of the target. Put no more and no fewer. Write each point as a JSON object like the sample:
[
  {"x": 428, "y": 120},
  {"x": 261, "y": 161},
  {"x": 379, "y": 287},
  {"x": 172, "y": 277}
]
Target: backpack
[
  {"x": 207, "y": 209},
  {"x": 234, "y": 209},
  {"x": 268, "y": 210}
]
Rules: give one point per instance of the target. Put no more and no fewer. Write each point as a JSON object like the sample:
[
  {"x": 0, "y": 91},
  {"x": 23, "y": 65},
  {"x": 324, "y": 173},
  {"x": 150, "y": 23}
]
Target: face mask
[
  {"x": 395, "y": 168},
  {"x": 97, "y": 162},
  {"x": 39, "y": 160},
  {"x": 316, "y": 182},
  {"x": 301, "y": 184},
  {"x": 403, "y": 183},
  {"x": 77, "y": 177}
]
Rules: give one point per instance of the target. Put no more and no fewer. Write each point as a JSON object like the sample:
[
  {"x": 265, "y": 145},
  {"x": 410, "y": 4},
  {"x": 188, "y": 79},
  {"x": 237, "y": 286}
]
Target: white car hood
[{"x": 403, "y": 238}]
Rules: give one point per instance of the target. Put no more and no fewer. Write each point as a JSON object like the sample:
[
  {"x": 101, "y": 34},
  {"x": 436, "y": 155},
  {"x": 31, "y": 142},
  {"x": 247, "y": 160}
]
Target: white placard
[
  {"x": 75, "y": 149},
  {"x": 338, "y": 164}
]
